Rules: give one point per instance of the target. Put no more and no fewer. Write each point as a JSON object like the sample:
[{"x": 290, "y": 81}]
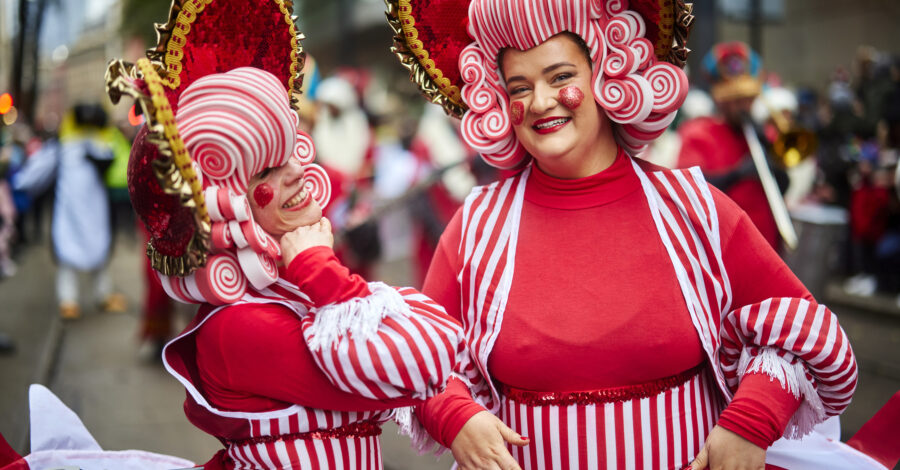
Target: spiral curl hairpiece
[
  {"x": 236, "y": 124},
  {"x": 639, "y": 93}
]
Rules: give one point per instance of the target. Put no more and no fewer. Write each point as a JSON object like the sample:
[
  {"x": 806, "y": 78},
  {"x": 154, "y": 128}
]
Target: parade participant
[
  {"x": 82, "y": 236},
  {"x": 291, "y": 362},
  {"x": 620, "y": 315},
  {"x": 717, "y": 144}
]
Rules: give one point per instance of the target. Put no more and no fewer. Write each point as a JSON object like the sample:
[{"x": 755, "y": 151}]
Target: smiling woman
[
  {"x": 290, "y": 361},
  {"x": 619, "y": 314},
  {"x": 547, "y": 84}
]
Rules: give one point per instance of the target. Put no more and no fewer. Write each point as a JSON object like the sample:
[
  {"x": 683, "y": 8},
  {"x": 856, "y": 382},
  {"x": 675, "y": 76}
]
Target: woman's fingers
[
  {"x": 325, "y": 224},
  {"x": 702, "y": 460},
  {"x": 509, "y": 463},
  {"x": 511, "y": 436}
]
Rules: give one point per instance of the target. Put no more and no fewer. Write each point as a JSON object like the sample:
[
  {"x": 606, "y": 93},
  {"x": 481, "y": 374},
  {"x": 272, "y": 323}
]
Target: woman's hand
[
  {"x": 725, "y": 450},
  {"x": 317, "y": 234},
  {"x": 481, "y": 444}
]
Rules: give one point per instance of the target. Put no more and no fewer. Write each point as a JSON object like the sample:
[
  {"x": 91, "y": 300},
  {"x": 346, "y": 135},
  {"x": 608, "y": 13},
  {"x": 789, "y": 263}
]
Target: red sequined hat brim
[
  {"x": 429, "y": 36},
  {"x": 201, "y": 37}
]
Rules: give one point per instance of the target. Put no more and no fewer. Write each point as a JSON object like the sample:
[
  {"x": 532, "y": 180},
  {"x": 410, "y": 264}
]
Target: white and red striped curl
[
  {"x": 637, "y": 91},
  {"x": 235, "y": 125}
]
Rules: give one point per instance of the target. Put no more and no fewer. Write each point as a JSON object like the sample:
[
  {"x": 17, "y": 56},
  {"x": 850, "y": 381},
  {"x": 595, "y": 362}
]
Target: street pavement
[
  {"x": 128, "y": 401},
  {"x": 96, "y": 367}
]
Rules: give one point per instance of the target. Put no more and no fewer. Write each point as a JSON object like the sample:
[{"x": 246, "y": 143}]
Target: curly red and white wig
[
  {"x": 638, "y": 93},
  {"x": 234, "y": 125}
]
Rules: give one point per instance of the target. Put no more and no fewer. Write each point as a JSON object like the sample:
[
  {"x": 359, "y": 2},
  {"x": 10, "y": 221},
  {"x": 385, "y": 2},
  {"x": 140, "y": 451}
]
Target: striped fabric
[
  {"x": 409, "y": 350},
  {"x": 359, "y": 453},
  {"x": 395, "y": 342},
  {"x": 665, "y": 431},
  {"x": 821, "y": 367}
]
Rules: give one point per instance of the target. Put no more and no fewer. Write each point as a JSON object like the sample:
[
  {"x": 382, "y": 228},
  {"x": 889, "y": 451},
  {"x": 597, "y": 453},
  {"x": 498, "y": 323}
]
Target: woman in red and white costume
[
  {"x": 621, "y": 315},
  {"x": 291, "y": 362}
]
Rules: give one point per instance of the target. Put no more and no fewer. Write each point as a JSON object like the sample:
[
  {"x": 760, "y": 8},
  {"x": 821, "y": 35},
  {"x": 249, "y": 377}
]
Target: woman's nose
[
  {"x": 294, "y": 171},
  {"x": 544, "y": 99}
]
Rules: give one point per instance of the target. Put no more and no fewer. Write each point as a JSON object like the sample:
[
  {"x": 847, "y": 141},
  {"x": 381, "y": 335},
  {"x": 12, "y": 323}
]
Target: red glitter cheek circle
[
  {"x": 263, "y": 195},
  {"x": 516, "y": 113},
  {"x": 571, "y": 97}
]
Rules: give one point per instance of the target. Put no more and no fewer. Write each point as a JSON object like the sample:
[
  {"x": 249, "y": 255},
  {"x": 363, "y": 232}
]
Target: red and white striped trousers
[
  {"x": 663, "y": 431},
  {"x": 352, "y": 452}
]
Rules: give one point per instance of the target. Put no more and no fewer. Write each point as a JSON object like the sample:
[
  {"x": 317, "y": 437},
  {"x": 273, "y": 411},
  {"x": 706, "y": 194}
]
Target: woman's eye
[
  {"x": 517, "y": 90},
  {"x": 562, "y": 77},
  {"x": 264, "y": 173}
]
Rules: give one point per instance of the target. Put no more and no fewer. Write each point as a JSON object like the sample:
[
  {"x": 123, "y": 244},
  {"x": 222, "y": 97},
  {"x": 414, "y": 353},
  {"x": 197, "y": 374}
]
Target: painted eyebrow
[{"x": 546, "y": 70}]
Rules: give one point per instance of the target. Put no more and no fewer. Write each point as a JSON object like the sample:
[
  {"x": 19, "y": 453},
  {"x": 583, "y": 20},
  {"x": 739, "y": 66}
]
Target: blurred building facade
[{"x": 803, "y": 41}]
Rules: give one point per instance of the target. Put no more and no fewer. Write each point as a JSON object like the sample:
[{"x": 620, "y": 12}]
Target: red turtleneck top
[{"x": 595, "y": 302}]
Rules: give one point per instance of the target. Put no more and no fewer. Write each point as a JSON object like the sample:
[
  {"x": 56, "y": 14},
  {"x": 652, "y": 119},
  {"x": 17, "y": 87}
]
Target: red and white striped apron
[
  {"x": 276, "y": 445},
  {"x": 296, "y": 437},
  {"x": 811, "y": 352},
  {"x": 660, "y": 425}
]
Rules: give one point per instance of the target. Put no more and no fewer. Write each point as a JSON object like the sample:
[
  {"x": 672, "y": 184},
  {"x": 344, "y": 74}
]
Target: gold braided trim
[
  {"x": 179, "y": 153},
  {"x": 121, "y": 80},
  {"x": 172, "y": 37},
  {"x": 666, "y": 22},
  {"x": 174, "y": 49},
  {"x": 413, "y": 56},
  {"x": 298, "y": 57},
  {"x": 408, "y": 23}
]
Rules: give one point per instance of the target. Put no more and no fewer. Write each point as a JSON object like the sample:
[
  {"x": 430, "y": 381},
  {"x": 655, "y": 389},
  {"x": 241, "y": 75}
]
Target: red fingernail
[{"x": 524, "y": 438}]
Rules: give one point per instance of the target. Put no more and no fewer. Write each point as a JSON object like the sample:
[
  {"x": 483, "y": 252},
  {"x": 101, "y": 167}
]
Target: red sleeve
[
  {"x": 441, "y": 281},
  {"x": 319, "y": 274},
  {"x": 254, "y": 357},
  {"x": 444, "y": 415},
  {"x": 761, "y": 407},
  {"x": 755, "y": 270},
  {"x": 760, "y": 411}
]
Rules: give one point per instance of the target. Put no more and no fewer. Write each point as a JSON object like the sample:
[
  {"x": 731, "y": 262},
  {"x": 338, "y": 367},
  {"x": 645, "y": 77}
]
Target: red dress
[
  {"x": 582, "y": 317},
  {"x": 302, "y": 374}
]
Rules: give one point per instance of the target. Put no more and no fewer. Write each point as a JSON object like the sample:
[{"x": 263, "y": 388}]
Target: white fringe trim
[
  {"x": 410, "y": 426},
  {"x": 793, "y": 378},
  {"x": 358, "y": 317}
]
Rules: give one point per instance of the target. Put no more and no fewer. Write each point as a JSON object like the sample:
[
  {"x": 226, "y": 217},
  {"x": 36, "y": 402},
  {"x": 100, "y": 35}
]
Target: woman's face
[
  {"x": 552, "y": 109},
  {"x": 279, "y": 201}
]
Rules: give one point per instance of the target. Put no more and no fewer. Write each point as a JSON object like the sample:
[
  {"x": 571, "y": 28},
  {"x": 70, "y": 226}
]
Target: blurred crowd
[
  {"x": 850, "y": 173},
  {"x": 399, "y": 171}
]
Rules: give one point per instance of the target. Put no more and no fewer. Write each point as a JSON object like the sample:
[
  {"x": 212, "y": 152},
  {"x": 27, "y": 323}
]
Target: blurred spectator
[
  {"x": 717, "y": 144},
  {"x": 116, "y": 177},
  {"x": 75, "y": 165},
  {"x": 870, "y": 214},
  {"x": 437, "y": 147},
  {"x": 7, "y": 215},
  {"x": 344, "y": 147}
]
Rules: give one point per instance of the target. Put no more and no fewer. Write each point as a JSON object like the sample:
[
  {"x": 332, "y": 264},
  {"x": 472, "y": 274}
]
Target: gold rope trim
[
  {"x": 413, "y": 56},
  {"x": 175, "y": 44},
  {"x": 666, "y": 22},
  {"x": 121, "y": 80},
  {"x": 408, "y": 23},
  {"x": 179, "y": 153},
  {"x": 172, "y": 38}
]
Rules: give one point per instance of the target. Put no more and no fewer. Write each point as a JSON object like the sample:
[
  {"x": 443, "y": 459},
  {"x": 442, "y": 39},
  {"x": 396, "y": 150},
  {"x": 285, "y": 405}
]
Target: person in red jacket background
[{"x": 716, "y": 143}]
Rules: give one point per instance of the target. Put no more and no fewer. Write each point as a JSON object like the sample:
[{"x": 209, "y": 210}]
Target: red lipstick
[{"x": 550, "y": 124}]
